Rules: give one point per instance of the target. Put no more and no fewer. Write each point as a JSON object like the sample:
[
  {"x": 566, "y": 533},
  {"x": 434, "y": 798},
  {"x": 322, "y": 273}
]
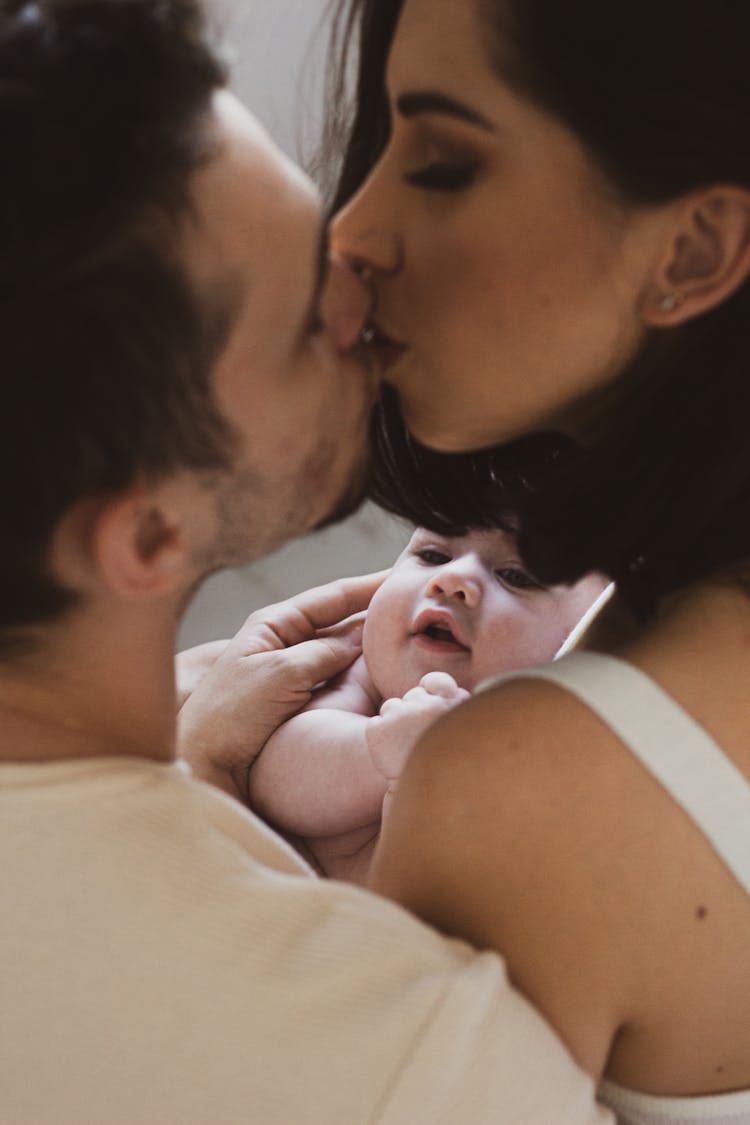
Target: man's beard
[
  {"x": 352, "y": 497},
  {"x": 256, "y": 516}
]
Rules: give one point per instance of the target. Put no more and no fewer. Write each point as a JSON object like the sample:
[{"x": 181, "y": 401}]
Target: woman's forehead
[{"x": 437, "y": 41}]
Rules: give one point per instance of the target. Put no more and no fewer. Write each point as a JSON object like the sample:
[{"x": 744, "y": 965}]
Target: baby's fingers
[{"x": 443, "y": 685}]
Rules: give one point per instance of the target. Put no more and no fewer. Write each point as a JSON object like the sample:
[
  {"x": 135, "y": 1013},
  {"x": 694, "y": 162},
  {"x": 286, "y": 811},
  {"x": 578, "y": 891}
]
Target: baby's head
[{"x": 466, "y": 605}]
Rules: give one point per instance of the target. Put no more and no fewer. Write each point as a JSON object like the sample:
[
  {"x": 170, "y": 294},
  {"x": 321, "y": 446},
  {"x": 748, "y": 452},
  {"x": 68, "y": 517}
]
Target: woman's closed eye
[{"x": 444, "y": 176}]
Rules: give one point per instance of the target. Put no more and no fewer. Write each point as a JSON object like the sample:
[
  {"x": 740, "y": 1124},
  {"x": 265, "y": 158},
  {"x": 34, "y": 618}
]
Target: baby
[{"x": 453, "y": 611}]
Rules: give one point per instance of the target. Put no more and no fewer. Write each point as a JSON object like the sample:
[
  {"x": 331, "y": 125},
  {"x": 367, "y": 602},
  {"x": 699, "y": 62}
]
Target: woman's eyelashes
[{"x": 444, "y": 176}]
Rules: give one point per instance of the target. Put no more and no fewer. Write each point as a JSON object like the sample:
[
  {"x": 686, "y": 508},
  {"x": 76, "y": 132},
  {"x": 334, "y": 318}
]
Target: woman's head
[{"x": 552, "y": 201}]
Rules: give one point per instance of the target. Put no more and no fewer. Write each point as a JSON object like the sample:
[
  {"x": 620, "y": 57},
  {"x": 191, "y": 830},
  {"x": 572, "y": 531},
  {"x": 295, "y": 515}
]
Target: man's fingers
[
  {"x": 299, "y": 618},
  {"x": 193, "y": 664},
  {"x": 351, "y": 627},
  {"x": 312, "y": 662}
]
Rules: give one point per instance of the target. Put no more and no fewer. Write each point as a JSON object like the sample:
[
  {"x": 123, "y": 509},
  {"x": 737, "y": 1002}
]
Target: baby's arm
[
  {"x": 394, "y": 733},
  {"x": 391, "y": 736},
  {"x": 315, "y": 776},
  {"x": 326, "y": 776}
]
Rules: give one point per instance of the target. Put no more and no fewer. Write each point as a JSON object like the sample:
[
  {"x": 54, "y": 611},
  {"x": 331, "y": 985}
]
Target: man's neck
[{"x": 92, "y": 688}]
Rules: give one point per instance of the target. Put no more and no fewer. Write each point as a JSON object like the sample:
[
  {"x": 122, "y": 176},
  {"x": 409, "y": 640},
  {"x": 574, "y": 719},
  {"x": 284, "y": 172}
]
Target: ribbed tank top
[{"x": 696, "y": 773}]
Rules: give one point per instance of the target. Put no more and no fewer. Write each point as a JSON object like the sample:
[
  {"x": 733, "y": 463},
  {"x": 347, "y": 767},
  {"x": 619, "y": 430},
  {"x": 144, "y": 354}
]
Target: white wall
[
  {"x": 277, "y": 53},
  {"x": 278, "y": 48}
]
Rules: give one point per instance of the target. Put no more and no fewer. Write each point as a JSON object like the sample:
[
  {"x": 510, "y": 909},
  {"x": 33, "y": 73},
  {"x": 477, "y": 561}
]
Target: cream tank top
[{"x": 704, "y": 782}]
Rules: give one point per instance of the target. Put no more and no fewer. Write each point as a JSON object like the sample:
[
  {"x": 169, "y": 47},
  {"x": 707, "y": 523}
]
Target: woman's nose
[
  {"x": 363, "y": 234},
  {"x": 456, "y": 582},
  {"x": 346, "y": 304}
]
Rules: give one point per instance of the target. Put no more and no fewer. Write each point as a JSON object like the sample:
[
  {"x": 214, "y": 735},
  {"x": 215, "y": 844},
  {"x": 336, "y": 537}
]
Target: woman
[{"x": 551, "y": 201}]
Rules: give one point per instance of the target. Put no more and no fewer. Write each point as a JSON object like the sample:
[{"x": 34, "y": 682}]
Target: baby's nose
[{"x": 452, "y": 582}]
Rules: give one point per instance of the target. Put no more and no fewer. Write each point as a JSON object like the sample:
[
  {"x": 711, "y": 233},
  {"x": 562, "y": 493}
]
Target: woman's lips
[{"x": 385, "y": 348}]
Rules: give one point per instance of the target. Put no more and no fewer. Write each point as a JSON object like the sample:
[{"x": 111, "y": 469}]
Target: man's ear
[
  {"x": 139, "y": 543},
  {"x": 707, "y": 257}
]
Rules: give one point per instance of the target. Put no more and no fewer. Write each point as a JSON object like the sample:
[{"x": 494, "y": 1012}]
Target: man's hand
[
  {"x": 242, "y": 690},
  {"x": 392, "y": 735},
  {"x": 192, "y": 665}
]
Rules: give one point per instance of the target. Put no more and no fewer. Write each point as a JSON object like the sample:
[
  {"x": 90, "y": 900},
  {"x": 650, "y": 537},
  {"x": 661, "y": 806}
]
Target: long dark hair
[
  {"x": 452, "y": 493},
  {"x": 659, "y": 94}
]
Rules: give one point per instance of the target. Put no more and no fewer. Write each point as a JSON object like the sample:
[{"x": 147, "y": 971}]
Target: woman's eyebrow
[{"x": 416, "y": 102}]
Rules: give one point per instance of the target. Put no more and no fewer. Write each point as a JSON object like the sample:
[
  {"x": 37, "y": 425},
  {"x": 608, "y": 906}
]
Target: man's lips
[
  {"x": 385, "y": 348},
  {"x": 436, "y": 630}
]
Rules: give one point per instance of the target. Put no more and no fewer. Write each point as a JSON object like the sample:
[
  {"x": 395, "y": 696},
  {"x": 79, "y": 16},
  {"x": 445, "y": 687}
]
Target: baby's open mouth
[{"x": 438, "y": 636}]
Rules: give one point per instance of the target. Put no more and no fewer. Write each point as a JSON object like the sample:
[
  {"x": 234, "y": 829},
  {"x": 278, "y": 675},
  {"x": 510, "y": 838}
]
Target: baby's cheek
[
  {"x": 374, "y": 650},
  {"x": 381, "y": 629},
  {"x": 391, "y": 670},
  {"x": 517, "y": 645}
]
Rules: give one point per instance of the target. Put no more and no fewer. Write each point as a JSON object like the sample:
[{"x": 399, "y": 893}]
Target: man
[{"x": 181, "y": 390}]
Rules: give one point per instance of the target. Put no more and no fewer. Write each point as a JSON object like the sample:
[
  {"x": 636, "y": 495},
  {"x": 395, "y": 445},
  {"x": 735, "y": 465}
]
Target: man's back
[{"x": 153, "y": 969}]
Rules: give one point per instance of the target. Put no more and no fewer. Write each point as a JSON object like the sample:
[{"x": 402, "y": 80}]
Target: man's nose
[
  {"x": 346, "y": 304},
  {"x": 456, "y": 582}
]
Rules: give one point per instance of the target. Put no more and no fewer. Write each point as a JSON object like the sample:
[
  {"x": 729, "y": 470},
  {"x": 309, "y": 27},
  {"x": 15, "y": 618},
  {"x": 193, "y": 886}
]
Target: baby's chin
[{"x": 392, "y": 684}]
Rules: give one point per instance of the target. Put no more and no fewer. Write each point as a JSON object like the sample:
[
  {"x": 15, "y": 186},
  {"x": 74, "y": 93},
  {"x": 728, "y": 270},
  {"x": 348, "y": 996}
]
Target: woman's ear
[{"x": 707, "y": 257}]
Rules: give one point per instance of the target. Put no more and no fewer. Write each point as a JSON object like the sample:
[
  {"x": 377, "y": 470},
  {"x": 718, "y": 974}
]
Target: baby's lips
[{"x": 442, "y": 620}]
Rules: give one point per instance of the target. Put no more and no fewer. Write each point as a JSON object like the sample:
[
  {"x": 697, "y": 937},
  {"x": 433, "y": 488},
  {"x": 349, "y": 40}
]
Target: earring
[{"x": 671, "y": 301}]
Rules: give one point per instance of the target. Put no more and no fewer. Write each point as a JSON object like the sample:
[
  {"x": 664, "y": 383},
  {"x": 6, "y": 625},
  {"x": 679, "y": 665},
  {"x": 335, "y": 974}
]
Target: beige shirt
[{"x": 165, "y": 959}]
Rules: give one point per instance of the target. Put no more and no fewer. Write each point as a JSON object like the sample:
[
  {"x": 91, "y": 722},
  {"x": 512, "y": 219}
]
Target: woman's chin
[{"x": 446, "y": 434}]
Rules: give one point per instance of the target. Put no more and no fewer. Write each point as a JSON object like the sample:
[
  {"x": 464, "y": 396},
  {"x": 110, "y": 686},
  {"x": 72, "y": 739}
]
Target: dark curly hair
[
  {"x": 659, "y": 94},
  {"x": 106, "y": 348}
]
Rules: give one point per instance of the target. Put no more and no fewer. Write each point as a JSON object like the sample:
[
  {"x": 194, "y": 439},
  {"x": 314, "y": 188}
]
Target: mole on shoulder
[{"x": 701, "y": 912}]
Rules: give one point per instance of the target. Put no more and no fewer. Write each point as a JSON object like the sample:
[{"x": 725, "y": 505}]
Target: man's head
[
  {"x": 289, "y": 377},
  {"x": 160, "y": 270}
]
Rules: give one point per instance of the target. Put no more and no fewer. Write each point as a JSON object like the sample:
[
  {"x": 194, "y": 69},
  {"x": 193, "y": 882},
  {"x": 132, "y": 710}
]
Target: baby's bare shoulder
[{"x": 352, "y": 691}]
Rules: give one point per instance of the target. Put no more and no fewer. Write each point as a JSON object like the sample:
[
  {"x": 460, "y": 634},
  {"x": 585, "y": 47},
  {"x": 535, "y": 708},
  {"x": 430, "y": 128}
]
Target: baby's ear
[{"x": 707, "y": 257}]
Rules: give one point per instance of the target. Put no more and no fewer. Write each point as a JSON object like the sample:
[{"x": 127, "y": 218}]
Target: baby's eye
[
  {"x": 518, "y": 579},
  {"x": 432, "y": 557},
  {"x": 441, "y": 176}
]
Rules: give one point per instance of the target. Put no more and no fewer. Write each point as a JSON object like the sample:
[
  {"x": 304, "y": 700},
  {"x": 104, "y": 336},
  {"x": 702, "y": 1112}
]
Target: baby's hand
[{"x": 393, "y": 733}]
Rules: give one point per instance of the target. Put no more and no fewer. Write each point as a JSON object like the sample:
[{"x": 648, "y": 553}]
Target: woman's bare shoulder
[{"x": 509, "y": 829}]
